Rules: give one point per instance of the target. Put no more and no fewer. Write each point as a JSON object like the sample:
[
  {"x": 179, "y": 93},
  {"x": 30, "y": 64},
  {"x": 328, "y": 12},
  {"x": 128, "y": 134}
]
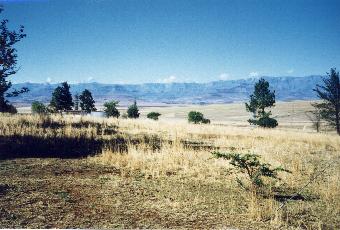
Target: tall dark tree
[
  {"x": 329, "y": 93},
  {"x": 86, "y": 101},
  {"x": 261, "y": 99},
  {"x": 8, "y": 63},
  {"x": 62, "y": 98},
  {"x": 133, "y": 111}
]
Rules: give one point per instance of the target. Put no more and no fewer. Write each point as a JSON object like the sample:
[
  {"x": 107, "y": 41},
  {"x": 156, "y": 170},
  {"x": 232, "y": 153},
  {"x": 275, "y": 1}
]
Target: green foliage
[
  {"x": 259, "y": 101},
  {"x": 329, "y": 93},
  {"x": 8, "y": 64},
  {"x": 250, "y": 165},
  {"x": 111, "y": 109},
  {"x": 133, "y": 111},
  {"x": 197, "y": 117},
  {"x": 61, "y": 98},
  {"x": 153, "y": 115},
  {"x": 38, "y": 108},
  {"x": 264, "y": 121},
  {"x": 86, "y": 101}
]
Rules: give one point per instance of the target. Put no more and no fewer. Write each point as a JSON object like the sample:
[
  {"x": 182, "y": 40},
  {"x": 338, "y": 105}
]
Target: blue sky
[{"x": 135, "y": 41}]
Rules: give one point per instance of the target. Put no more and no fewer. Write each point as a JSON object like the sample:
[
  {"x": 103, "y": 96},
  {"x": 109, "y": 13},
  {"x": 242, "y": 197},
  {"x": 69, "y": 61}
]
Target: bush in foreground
[{"x": 255, "y": 170}]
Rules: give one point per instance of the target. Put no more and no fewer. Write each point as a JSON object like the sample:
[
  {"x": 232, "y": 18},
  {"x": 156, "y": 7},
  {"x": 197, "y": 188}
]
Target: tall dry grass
[
  {"x": 180, "y": 153},
  {"x": 305, "y": 154}
]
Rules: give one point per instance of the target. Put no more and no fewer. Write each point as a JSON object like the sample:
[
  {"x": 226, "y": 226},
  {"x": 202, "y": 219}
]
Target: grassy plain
[{"x": 160, "y": 174}]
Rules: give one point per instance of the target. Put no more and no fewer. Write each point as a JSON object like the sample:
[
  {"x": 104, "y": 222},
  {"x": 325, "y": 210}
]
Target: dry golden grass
[{"x": 180, "y": 178}]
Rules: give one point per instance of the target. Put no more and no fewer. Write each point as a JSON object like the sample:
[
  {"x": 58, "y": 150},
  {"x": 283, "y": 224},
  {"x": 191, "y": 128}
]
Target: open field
[
  {"x": 291, "y": 115},
  {"x": 108, "y": 173}
]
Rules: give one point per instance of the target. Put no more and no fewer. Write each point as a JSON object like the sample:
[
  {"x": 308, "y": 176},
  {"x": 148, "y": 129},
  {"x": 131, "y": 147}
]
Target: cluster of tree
[{"x": 62, "y": 100}]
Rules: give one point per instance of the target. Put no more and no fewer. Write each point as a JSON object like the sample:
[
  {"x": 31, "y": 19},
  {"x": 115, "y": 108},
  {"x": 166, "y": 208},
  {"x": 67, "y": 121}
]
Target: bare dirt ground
[{"x": 56, "y": 193}]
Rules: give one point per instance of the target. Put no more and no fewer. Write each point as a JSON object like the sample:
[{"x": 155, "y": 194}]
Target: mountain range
[{"x": 286, "y": 89}]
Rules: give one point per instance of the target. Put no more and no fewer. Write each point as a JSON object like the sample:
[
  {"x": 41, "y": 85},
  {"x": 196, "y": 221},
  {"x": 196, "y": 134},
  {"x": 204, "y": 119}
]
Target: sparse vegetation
[
  {"x": 315, "y": 117},
  {"x": 164, "y": 168},
  {"x": 153, "y": 115}
]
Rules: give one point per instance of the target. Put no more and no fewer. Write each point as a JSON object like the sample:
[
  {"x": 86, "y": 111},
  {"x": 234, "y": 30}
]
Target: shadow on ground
[{"x": 29, "y": 146}]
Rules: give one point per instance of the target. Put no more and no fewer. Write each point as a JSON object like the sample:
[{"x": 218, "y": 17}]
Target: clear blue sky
[{"x": 168, "y": 40}]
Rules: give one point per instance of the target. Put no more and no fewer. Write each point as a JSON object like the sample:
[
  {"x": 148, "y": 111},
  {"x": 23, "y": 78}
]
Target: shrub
[
  {"x": 133, "y": 111},
  {"x": 38, "y": 108},
  {"x": 205, "y": 121},
  {"x": 153, "y": 115},
  {"x": 265, "y": 122},
  {"x": 250, "y": 164},
  {"x": 197, "y": 117},
  {"x": 110, "y": 109}
]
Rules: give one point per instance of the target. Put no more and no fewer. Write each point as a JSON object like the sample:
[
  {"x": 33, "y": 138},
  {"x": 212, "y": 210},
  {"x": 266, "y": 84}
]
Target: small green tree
[
  {"x": 197, "y": 117},
  {"x": 259, "y": 101},
  {"x": 38, "y": 108},
  {"x": 250, "y": 164},
  {"x": 133, "y": 111},
  {"x": 87, "y": 102},
  {"x": 153, "y": 115},
  {"x": 61, "y": 98},
  {"x": 110, "y": 109},
  {"x": 329, "y": 93}
]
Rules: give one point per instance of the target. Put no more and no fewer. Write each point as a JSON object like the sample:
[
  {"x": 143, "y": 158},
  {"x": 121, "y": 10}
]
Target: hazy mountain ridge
[{"x": 286, "y": 88}]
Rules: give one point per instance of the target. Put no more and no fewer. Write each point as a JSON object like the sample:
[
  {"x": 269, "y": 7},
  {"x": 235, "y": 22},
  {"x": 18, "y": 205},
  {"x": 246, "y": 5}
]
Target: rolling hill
[{"x": 286, "y": 88}]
